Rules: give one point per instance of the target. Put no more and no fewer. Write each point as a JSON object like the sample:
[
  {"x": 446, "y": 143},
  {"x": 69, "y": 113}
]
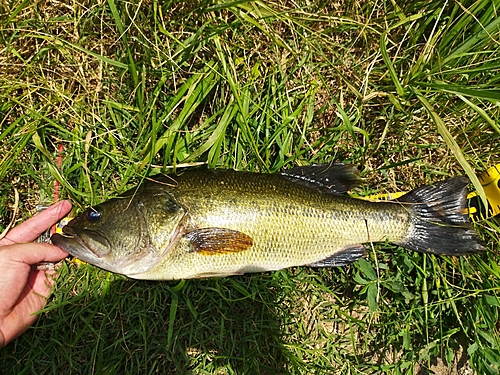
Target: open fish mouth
[
  {"x": 66, "y": 235},
  {"x": 71, "y": 244},
  {"x": 82, "y": 245}
]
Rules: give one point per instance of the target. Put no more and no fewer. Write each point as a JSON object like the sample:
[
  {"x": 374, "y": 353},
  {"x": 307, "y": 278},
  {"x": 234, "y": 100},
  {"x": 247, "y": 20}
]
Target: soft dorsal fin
[
  {"x": 216, "y": 241},
  {"x": 334, "y": 178}
]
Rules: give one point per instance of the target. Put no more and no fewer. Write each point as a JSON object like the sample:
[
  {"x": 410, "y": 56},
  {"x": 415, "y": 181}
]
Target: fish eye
[{"x": 93, "y": 215}]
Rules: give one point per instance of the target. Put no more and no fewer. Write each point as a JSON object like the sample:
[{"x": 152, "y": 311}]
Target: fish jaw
[
  {"x": 93, "y": 247},
  {"x": 76, "y": 247}
]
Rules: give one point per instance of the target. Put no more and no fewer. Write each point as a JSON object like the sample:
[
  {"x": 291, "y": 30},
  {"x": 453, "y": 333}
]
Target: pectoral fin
[
  {"x": 343, "y": 257},
  {"x": 216, "y": 241}
]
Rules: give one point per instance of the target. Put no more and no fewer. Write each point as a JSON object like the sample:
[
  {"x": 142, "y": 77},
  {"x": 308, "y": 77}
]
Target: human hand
[{"x": 23, "y": 289}]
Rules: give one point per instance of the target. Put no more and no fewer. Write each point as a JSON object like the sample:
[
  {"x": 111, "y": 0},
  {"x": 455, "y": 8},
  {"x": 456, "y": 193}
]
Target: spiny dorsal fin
[
  {"x": 334, "y": 178},
  {"x": 216, "y": 241}
]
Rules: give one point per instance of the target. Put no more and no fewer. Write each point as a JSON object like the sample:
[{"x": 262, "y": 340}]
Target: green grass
[{"x": 409, "y": 92}]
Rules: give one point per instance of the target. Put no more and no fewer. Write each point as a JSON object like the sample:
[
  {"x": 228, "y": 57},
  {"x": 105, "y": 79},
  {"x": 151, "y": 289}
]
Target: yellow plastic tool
[
  {"x": 59, "y": 226},
  {"x": 490, "y": 180},
  {"x": 58, "y": 229}
]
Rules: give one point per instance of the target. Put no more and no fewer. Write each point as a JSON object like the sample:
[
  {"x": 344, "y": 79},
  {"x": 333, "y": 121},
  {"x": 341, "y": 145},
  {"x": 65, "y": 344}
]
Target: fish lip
[
  {"x": 70, "y": 244},
  {"x": 75, "y": 245},
  {"x": 68, "y": 232},
  {"x": 77, "y": 248}
]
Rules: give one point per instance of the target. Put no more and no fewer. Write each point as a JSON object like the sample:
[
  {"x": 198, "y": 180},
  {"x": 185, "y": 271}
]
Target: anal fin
[{"x": 343, "y": 257}]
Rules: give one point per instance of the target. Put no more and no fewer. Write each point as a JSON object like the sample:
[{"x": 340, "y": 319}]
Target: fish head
[{"x": 123, "y": 235}]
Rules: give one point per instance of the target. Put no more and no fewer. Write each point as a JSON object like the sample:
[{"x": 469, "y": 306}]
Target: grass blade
[
  {"x": 387, "y": 60},
  {"x": 453, "y": 146}
]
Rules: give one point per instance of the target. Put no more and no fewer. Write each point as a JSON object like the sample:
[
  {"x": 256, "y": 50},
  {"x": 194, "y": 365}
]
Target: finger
[
  {"x": 23, "y": 290},
  {"x": 31, "y": 253},
  {"x": 27, "y": 296},
  {"x": 32, "y": 228},
  {"x": 41, "y": 283}
]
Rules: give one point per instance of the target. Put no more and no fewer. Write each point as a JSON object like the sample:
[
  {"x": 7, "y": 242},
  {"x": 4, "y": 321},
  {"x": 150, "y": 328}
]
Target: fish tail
[{"x": 440, "y": 220}]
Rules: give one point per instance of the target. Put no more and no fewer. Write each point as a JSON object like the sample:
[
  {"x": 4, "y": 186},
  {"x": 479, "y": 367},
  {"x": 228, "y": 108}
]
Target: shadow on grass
[
  {"x": 225, "y": 326},
  {"x": 285, "y": 322}
]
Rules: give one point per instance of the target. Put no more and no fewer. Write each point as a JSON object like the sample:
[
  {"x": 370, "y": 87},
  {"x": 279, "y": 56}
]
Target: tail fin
[{"x": 441, "y": 223}]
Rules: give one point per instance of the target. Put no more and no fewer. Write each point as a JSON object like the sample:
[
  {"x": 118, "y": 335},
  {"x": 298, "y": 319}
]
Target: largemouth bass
[{"x": 222, "y": 222}]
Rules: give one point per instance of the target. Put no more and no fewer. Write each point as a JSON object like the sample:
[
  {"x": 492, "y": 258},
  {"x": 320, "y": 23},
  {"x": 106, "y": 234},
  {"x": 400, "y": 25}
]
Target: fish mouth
[
  {"x": 70, "y": 244},
  {"x": 76, "y": 243},
  {"x": 92, "y": 247}
]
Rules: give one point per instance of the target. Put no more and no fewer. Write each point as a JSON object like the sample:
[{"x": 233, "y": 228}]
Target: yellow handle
[{"x": 490, "y": 180}]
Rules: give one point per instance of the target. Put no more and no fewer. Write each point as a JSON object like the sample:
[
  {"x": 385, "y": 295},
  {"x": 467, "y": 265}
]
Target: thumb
[{"x": 32, "y": 253}]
